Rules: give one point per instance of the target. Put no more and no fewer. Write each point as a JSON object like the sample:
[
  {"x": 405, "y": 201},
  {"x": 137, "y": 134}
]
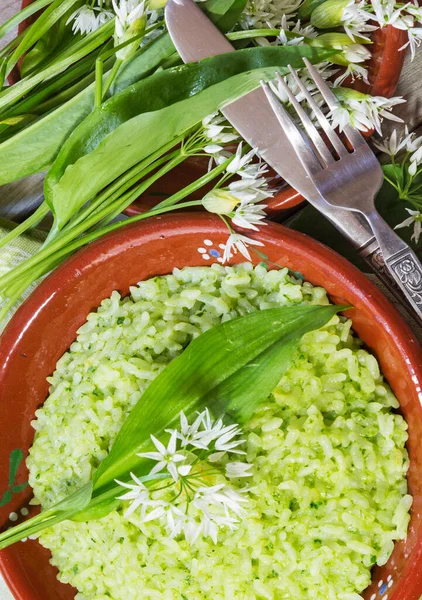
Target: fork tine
[
  {"x": 354, "y": 136},
  {"x": 323, "y": 121},
  {"x": 304, "y": 152},
  {"x": 319, "y": 143}
]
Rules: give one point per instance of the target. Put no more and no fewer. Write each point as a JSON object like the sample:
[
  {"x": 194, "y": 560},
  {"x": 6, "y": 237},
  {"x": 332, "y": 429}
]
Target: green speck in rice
[{"x": 329, "y": 492}]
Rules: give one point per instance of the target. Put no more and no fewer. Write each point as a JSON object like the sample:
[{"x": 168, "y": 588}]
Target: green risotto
[{"x": 328, "y": 496}]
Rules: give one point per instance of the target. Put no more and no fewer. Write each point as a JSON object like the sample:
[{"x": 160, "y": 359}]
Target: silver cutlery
[
  {"x": 348, "y": 176},
  {"x": 196, "y": 37}
]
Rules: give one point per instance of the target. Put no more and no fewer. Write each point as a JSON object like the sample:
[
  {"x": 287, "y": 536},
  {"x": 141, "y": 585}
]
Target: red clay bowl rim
[{"x": 177, "y": 224}]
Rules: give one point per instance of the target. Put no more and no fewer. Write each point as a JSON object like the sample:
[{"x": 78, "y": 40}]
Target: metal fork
[{"x": 346, "y": 177}]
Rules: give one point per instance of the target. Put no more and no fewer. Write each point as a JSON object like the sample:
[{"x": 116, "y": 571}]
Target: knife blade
[{"x": 196, "y": 37}]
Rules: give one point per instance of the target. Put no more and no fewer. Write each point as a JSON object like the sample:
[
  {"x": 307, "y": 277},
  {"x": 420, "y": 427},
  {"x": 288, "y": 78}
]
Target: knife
[{"x": 196, "y": 37}]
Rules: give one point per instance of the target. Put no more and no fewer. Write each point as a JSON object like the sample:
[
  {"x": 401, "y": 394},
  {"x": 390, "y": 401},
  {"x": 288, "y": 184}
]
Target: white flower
[
  {"x": 130, "y": 21},
  {"x": 415, "y": 219},
  {"x": 386, "y": 13},
  {"x": 300, "y": 32},
  {"x": 219, "y": 496},
  {"x": 404, "y": 17},
  {"x": 394, "y": 144},
  {"x": 237, "y": 242},
  {"x": 363, "y": 111},
  {"x": 260, "y": 14},
  {"x": 218, "y": 131},
  {"x": 235, "y": 470},
  {"x": 221, "y": 435},
  {"x": 166, "y": 458},
  {"x": 194, "y": 507},
  {"x": 239, "y": 161},
  {"x": 355, "y": 20},
  {"x": 250, "y": 190},
  {"x": 325, "y": 70},
  {"x": 416, "y": 158},
  {"x": 248, "y": 215},
  {"x": 355, "y": 72},
  {"x": 356, "y": 53},
  {"x": 415, "y": 40},
  {"x": 87, "y": 19},
  {"x": 175, "y": 520},
  {"x": 138, "y": 493},
  {"x": 205, "y": 431}
]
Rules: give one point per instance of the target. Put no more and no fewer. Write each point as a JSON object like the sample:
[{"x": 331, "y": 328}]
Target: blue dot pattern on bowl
[
  {"x": 214, "y": 253},
  {"x": 383, "y": 588}
]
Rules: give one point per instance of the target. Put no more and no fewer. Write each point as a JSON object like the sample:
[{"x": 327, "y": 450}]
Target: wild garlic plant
[
  {"x": 405, "y": 175},
  {"x": 199, "y": 491}
]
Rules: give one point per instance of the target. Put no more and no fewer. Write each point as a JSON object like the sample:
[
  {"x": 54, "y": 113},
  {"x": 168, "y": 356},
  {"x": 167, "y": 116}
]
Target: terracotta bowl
[
  {"x": 384, "y": 70},
  {"x": 46, "y": 324}
]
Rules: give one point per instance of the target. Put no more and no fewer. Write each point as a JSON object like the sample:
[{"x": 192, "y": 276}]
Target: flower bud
[
  {"x": 156, "y": 4},
  {"x": 307, "y": 7},
  {"x": 344, "y": 94},
  {"x": 329, "y": 14},
  {"x": 220, "y": 202}
]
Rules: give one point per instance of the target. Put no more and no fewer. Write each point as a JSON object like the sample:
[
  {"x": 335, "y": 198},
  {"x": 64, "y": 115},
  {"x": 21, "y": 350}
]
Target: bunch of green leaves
[
  {"x": 58, "y": 87},
  {"x": 230, "y": 369},
  {"x": 133, "y": 134}
]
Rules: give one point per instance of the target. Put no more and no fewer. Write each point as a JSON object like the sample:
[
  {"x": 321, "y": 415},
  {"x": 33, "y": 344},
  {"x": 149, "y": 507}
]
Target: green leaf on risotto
[{"x": 230, "y": 369}]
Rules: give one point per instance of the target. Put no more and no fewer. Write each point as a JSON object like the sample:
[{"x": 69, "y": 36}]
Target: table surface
[{"x": 18, "y": 199}]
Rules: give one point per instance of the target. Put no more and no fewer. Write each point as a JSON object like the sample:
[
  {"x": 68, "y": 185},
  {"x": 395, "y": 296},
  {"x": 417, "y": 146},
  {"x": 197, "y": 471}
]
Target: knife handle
[{"x": 404, "y": 267}]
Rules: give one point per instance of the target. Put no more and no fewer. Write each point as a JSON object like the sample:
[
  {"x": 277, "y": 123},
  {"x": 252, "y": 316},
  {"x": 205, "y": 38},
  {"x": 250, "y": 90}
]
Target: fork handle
[{"x": 403, "y": 269}]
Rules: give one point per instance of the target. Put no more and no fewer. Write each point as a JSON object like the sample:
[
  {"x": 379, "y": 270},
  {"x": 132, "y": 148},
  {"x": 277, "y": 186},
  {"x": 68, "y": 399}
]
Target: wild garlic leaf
[
  {"x": 40, "y": 27},
  {"x": 34, "y": 148},
  {"x": 230, "y": 369},
  {"x": 135, "y": 123}
]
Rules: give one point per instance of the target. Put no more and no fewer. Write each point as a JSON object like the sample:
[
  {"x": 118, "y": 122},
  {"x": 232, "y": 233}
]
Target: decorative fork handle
[{"x": 395, "y": 263}]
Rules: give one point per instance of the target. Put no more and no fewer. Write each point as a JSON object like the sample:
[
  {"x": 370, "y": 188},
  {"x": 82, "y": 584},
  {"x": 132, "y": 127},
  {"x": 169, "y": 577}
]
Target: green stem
[
  {"x": 90, "y": 237},
  {"x": 127, "y": 180},
  {"x": 22, "y": 15},
  {"x": 111, "y": 199},
  {"x": 254, "y": 33},
  {"x": 57, "y": 244},
  {"x": 99, "y": 70},
  {"x": 138, "y": 36},
  {"x": 395, "y": 186},
  {"x": 51, "y": 261},
  {"x": 112, "y": 76},
  {"x": 31, "y": 221},
  {"x": 199, "y": 183}
]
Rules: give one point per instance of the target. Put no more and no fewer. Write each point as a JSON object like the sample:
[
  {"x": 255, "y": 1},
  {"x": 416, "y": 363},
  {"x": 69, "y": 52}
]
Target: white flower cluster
[
  {"x": 405, "y": 16},
  {"x": 412, "y": 146},
  {"x": 243, "y": 187},
  {"x": 294, "y": 27},
  {"x": 398, "y": 143},
  {"x": 364, "y": 16},
  {"x": 197, "y": 500},
  {"x": 131, "y": 17},
  {"x": 87, "y": 19},
  {"x": 357, "y": 20},
  {"x": 260, "y": 14},
  {"x": 364, "y": 112}
]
